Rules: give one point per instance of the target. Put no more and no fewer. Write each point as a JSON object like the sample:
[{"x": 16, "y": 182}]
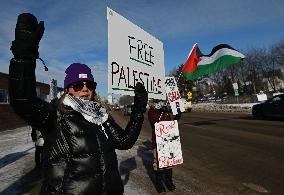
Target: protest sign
[
  {"x": 133, "y": 56},
  {"x": 168, "y": 143},
  {"x": 173, "y": 95}
]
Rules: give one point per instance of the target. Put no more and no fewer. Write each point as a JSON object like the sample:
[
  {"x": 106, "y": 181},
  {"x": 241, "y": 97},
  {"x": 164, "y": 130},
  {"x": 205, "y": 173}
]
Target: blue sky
[{"x": 76, "y": 31}]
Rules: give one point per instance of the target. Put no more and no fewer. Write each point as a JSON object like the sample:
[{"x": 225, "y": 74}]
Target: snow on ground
[
  {"x": 216, "y": 107},
  {"x": 16, "y": 146}
]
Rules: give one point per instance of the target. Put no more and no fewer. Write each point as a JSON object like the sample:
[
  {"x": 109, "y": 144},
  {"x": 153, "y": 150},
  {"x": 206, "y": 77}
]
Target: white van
[{"x": 186, "y": 104}]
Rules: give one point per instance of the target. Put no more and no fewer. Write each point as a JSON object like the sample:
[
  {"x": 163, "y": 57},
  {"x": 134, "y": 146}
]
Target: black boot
[
  {"x": 159, "y": 181},
  {"x": 168, "y": 179}
]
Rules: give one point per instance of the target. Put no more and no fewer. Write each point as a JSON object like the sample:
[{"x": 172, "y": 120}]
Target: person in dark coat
[
  {"x": 160, "y": 112},
  {"x": 80, "y": 136},
  {"x": 39, "y": 141}
]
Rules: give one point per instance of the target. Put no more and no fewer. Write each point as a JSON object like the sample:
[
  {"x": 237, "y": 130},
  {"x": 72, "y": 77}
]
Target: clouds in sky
[
  {"x": 76, "y": 31},
  {"x": 180, "y": 18}
]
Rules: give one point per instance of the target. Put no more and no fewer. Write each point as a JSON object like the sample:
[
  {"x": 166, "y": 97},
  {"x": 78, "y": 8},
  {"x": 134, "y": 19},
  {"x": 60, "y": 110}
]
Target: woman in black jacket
[{"x": 80, "y": 136}]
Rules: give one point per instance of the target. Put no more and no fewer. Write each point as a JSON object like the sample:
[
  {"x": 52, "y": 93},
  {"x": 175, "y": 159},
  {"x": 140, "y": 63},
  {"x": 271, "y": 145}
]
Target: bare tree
[
  {"x": 254, "y": 64},
  {"x": 278, "y": 52}
]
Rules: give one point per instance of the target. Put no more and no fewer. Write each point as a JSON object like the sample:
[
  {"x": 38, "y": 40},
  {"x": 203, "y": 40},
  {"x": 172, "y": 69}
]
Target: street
[
  {"x": 229, "y": 153},
  {"x": 223, "y": 153},
  {"x": 232, "y": 153}
]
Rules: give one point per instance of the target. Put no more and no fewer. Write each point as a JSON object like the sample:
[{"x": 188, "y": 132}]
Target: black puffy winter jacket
[{"x": 79, "y": 158}]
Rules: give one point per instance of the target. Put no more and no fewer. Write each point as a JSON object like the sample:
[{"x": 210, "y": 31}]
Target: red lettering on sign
[
  {"x": 167, "y": 162},
  {"x": 173, "y": 96},
  {"x": 162, "y": 129}
]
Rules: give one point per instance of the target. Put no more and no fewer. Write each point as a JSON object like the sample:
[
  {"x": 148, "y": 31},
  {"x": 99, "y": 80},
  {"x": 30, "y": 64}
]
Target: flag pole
[
  {"x": 179, "y": 76},
  {"x": 186, "y": 60}
]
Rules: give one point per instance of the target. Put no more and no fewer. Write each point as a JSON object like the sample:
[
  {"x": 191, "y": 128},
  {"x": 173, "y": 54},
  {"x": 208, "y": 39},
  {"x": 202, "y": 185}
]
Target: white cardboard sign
[
  {"x": 133, "y": 56},
  {"x": 173, "y": 95},
  {"x": 168, "y": 143}
]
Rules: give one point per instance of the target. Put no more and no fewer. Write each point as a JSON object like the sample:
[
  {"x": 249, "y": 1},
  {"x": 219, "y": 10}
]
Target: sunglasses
[{"x": 78, "y": 86}]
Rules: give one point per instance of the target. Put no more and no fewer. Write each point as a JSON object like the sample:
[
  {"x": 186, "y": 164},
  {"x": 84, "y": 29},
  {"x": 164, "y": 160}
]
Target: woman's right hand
[{"x": 28, "y": 34}]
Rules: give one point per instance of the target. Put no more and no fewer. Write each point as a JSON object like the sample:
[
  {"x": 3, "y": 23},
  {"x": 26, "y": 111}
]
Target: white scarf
[{"x": 91, "y": 111}]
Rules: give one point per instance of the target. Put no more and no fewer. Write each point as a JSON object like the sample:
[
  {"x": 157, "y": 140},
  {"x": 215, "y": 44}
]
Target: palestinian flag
[{"x": 198, "y": 64}]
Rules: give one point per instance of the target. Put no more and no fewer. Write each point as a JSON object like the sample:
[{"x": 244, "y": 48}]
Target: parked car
[
  {"x": 272, "y": 108},
  {"x": 127, "y": 110},
  {"x": 186, "y": 104}
]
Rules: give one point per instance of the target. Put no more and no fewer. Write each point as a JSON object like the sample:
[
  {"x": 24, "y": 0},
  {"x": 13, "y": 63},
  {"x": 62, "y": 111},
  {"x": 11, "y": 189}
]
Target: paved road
[{"x": 232, "y": 153}]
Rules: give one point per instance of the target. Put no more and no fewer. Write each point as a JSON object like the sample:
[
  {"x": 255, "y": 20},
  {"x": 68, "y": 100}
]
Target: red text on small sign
[
  {"x": 167, "y": 162},
  {"x": 164, "y": 129},
  {"x": 173, "y": 96}
]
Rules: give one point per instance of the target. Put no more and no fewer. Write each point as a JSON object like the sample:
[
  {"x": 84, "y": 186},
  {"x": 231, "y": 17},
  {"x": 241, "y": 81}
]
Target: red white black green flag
[{"x": 198, "y": 64}]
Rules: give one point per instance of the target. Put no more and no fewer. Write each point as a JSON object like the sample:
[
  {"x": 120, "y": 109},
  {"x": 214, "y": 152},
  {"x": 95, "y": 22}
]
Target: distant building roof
[{"x": 4, "y": 84}]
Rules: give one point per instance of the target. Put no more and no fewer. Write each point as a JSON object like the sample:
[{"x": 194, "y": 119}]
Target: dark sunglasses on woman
[{"x": 80, "y": 84}]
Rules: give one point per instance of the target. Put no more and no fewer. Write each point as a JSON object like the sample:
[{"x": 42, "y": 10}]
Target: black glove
[
  {"x": 140, "y": 98},
  {"x": 28, "y": 34}
]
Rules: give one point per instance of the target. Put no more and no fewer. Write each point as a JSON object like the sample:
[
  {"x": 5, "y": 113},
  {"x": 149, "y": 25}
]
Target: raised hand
[{"x": 28, "y": 34}]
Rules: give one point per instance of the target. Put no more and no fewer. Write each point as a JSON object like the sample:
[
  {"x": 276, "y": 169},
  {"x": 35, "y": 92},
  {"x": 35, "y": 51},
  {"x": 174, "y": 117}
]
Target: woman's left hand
[{"x": 140, "y": 98}]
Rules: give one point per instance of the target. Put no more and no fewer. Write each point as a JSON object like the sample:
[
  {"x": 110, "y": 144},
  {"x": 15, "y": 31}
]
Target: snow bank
[{"x": 215, "y": 107}]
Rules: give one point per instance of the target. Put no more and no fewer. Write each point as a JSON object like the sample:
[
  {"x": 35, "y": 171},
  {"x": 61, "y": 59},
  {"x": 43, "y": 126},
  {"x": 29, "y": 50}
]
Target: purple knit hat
[{"x": 77, "y": 72}]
